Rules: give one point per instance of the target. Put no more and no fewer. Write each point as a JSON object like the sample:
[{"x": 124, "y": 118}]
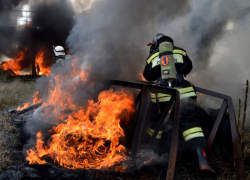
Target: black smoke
[
  {"x": 50, "y": 25},
  {"x": 9, "y": 4}
]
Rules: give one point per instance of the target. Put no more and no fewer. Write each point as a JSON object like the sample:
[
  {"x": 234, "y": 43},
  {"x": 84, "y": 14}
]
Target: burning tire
[
  {"x": 42, "y": 118},
  {"x": 44, "y": 114}
]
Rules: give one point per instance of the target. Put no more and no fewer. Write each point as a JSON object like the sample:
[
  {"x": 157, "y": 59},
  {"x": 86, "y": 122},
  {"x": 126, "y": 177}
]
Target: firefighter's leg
[
  {"x": 153, "y": 118},
  {"x": 192, "y": 132}
]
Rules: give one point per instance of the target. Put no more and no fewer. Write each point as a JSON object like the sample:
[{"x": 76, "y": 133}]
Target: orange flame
[
  {"x": 90, "y": 137},
  {"x": 27, "y": 104},
  {"x": 15, "y": 65},
  {"x": 141, "y": 77},
  {"x": 40, "y": 69}
]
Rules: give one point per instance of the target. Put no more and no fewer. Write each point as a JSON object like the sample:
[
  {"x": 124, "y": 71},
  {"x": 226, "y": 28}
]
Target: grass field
[{"x": 13, "y": 94}]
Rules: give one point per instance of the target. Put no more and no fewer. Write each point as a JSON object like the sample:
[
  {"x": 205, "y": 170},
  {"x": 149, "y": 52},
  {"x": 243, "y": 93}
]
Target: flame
[
  {"x": 40, "y": 69},
  {"x": 14, "y": 65},
  {"x": 88, "y": 138},
  {"x": 141, "y": 77},
  {"x": 36, "y": 100}
]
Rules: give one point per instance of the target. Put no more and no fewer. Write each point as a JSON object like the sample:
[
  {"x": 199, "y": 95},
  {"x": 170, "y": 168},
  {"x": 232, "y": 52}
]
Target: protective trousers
[{"x": 189, "y": 123}]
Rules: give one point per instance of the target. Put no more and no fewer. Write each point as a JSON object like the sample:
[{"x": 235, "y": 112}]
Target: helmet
[
  {"x": 59, "y": 51},
  {"x": 156, "y": 39}
]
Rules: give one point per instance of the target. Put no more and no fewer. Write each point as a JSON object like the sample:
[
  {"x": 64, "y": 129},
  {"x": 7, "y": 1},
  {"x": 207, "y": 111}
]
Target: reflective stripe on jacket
[
  {"x": 60, "y": 59},
  {"x": 177, "y": 53}
]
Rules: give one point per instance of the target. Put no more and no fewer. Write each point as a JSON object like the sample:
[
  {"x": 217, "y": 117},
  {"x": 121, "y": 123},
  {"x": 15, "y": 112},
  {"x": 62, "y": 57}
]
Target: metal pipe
[
  {"x": 141, "y": 121},
  {"x": 216, "y": 125},
  {"x": 244, "y": 116},
  {"x": 239, "y": 163},
  {"x": 174, "y": 139},
  {"x": 239, "y": 115}
]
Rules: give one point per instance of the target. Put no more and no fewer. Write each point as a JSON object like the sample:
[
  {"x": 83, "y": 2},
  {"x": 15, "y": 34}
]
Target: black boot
[{"x": 202, "y": 160}]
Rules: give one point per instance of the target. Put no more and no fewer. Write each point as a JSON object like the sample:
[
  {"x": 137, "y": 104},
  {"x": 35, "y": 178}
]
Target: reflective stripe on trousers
[
  {"x": 192, "y": 133},
  {"x": 151, "y": 132},
  {"x": 184, "y": 93}
]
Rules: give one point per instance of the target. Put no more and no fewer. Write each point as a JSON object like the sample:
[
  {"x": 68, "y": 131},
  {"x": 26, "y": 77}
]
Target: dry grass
[
  {"x": 9, "y": 141},
  {"x": 15, "y": 93},
  {"x": 11, "y": 94}
]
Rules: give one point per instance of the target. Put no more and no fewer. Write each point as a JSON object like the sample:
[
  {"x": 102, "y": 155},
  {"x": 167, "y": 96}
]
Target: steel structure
[
  {"x": 16, "y": 18},
  {"x": 143, "y": 99}
]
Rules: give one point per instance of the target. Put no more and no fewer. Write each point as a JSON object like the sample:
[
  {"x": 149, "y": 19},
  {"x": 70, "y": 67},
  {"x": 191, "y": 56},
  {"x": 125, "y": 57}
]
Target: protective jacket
[
  {"x": 183, "y": 66},
  {"x": 61, "y": 58},
  {"x": 189, "y": 123},
  {"x": 152, "y": 70}
]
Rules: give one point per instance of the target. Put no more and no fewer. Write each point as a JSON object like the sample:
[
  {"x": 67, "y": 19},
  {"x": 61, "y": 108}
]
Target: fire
[
  {"x": 89, "y": 138},
  {"x": 141, "y": 77},
  {"x": 40, "y": 69},
  {"x": 15, "y": 65},
  {"x": 27, "y": 104}
]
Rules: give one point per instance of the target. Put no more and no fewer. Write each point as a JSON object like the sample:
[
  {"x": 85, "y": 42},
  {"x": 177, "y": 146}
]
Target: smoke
[
  {"x": 120, "y": 29},
  {"x": 214, "y": 33},
  {"x": 9, "y": 4},
  {"x": 50, "y": 21},
  {"x": 219, "y": 54},
  {"x": 111, "y": 37}
]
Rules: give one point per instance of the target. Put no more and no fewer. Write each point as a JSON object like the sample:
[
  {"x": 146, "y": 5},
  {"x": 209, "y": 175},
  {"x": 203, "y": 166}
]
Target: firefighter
[
  {"x": 60, "y": 55},
  {"x": 157, "y": 69}
]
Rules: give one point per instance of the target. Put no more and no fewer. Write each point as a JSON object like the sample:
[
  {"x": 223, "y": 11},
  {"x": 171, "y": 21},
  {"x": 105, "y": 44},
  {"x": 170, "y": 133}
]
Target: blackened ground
[{"x": 185, "y": 169}]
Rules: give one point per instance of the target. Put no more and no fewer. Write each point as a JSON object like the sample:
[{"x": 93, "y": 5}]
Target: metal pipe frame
[
  {"x": 143, "y": 98},
  {"x": 227, "y": 104}
]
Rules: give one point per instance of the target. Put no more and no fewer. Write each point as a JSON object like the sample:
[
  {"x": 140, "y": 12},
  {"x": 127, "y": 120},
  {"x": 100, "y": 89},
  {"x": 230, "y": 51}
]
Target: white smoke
[
  {"x": 214, "y": 33},
  {"x": 119, "y": 30},
  {"x": 83, "y": 5}
]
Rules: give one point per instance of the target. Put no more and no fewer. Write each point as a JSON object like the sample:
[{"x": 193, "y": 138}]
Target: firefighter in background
[
  {"x": 60, "y": 55},
  {"x": 159, "y": 68}
]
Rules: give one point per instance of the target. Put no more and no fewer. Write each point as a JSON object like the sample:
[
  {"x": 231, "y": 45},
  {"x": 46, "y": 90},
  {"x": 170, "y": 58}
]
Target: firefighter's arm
[
  {"x": 182, "y": 62},
  {"x": 149, "y": 73}
]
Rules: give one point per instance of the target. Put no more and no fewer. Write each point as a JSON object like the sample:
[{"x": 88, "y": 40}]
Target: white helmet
[{"x": 58, "y": 50}]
